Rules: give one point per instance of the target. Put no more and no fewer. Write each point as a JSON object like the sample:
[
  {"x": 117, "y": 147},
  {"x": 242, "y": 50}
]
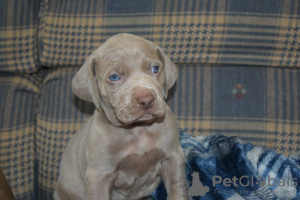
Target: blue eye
[
  {"x": 155, "y": 69},
  {"x": 114, "y": 77}
]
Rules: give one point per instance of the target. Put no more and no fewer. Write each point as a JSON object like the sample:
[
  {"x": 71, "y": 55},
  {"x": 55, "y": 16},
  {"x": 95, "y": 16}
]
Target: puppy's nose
[{"x": 145, "y": 101}]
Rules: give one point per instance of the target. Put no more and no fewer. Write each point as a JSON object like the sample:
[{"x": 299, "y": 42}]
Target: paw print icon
[{"x": 261, "y": 181}]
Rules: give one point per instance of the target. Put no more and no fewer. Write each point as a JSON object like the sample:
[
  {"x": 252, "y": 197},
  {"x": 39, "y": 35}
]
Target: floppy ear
[
  {"x": 171, "y": 71},
  {"x": 84, "y": 84}
]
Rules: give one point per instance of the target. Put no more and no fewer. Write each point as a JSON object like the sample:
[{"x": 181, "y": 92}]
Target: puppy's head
[{"x": 128, "y": 77}]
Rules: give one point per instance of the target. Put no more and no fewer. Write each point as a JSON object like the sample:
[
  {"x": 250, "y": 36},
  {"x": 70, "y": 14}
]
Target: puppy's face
[{"x": 132, "y": 77}]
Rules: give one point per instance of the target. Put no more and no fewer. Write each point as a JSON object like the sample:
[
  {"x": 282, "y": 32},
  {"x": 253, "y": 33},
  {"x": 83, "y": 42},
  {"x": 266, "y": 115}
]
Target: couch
[{"x": 238, "y": 64}]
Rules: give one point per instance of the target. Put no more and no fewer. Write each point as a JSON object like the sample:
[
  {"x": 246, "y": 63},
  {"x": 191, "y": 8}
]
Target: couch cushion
[
  {"x": 18, "y": 101},
  {"x": 259, "y": 105},
  {"x": 243, "y": 32},
  {"x": 18, "y": 35}
]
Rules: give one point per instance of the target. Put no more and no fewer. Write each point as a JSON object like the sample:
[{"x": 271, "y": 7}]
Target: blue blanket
[{"x": 219, "y": 167}]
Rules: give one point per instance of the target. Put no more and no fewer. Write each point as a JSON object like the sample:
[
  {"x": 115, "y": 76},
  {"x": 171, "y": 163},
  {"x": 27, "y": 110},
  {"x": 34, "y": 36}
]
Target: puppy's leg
[
  {"x": 173, "y": 176},
  {"x": 98, "y": 184},
  {"x": 62, "y": 194}
]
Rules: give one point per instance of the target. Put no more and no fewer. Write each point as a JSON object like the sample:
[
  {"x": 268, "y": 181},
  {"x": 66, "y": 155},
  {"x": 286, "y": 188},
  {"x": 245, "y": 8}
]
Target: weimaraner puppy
[{"x": 131, "y": 142}]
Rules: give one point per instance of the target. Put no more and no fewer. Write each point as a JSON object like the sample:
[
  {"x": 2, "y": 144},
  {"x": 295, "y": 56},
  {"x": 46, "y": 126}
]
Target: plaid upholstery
[
  {"x": 256, "y": 32},
  {"x": 18, "y": 35},
  {"x": 235, "y": 101},
  {"x": 258, "y": 104},
  {"x": 18, "y": 101}
]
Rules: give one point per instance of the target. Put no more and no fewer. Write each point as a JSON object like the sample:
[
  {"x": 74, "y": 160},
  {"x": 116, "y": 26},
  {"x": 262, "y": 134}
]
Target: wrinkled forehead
[
  {"x": 128, "y": 52},
  {"x": 128, "y": 55}
]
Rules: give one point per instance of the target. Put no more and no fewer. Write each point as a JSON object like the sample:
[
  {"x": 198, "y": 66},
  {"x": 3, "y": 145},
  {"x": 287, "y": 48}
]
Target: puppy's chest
[
  {"x": 141, "y": 148},
  {"x": 141, "y": 156},
  {"x": 140, "y": 143}
]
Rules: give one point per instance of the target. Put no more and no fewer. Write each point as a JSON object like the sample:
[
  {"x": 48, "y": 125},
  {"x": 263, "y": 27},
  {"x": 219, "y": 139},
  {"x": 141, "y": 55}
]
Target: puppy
[{"x": 131, "y": 142}]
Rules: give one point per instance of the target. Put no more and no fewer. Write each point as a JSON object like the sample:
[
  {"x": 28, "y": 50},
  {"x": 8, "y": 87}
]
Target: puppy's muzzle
[{"x": 140, "y": 104}]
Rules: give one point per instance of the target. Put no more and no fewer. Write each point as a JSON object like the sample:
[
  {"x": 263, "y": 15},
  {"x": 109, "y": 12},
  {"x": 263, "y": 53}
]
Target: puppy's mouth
[
  {"x": 137, "y": 115},
  {"x": 145, "y": 117}
]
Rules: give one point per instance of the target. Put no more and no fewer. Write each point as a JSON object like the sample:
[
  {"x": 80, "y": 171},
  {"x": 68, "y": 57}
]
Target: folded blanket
[{"x": 219, "y": 167}]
